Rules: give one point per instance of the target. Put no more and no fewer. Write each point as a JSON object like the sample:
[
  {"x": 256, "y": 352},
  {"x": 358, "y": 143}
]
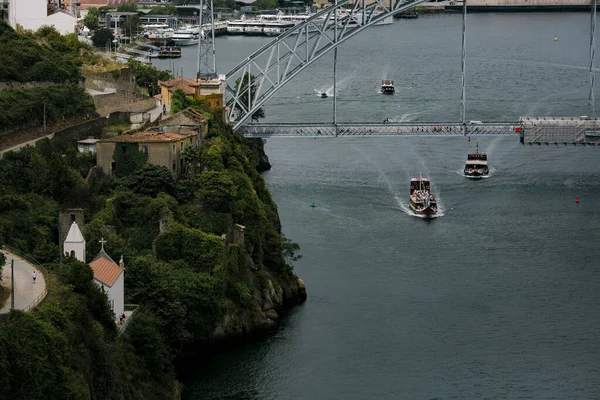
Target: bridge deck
[{"x": 376, "y": 129}]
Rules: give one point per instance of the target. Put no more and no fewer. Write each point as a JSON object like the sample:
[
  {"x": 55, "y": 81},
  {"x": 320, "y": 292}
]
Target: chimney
[{"x": 122, "y": 263}]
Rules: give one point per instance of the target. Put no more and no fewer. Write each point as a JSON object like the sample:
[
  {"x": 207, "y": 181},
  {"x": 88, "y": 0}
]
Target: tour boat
[
  {"x": 387, "y": 86},
  {"x": 186, "y": 37},
  {"x": 476, "y": 166},
  {"x": 422, "y": 202}
]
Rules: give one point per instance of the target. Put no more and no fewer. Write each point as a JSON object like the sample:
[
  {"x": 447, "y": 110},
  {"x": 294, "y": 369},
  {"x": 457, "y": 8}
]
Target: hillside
[
  {"x": 40, "y": 76},
  {"x": 196, "y": 284}
]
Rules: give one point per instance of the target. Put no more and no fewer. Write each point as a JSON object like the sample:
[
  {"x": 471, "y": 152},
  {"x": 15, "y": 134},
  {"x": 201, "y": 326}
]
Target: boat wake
[
  {"x": 400, "y": 203},
  {"x": 407, "y": 210}
]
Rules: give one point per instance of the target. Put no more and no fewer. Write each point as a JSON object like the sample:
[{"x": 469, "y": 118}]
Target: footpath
[{"x": 25, "y": 291}]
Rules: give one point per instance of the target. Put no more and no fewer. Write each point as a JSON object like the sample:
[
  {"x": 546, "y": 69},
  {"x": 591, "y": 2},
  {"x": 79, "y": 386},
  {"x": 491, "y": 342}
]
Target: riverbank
[{"x": 478, "y": 6}]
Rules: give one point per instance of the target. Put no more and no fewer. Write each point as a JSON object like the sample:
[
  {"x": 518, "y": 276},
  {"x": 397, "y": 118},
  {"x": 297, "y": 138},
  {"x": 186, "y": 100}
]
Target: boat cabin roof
[
  {"x": 477, "y": 156},
  {"x": 419, "y": 179},
  {"x": 387, "y": 82}
]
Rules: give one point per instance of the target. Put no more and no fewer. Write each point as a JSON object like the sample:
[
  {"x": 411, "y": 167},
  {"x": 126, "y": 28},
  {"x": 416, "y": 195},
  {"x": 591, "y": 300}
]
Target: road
[{"x": 25, "y": 290}]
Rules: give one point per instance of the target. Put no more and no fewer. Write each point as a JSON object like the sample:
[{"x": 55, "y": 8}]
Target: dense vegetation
[
  {"x": 186, "y": 278},
  {"x": 43, "y": 56}
]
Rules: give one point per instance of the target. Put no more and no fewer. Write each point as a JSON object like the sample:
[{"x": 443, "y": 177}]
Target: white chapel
[{"x": 108, "y": 275}]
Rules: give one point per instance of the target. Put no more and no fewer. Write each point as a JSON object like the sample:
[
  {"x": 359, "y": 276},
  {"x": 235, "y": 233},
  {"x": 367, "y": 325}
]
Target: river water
[{"x": 497, "y": 298}]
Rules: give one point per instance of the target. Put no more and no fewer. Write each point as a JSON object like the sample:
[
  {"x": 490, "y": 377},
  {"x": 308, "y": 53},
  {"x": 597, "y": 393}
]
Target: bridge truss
[
  {"x": 256, "y": 79},
  {"x": 266, "y": 130}
]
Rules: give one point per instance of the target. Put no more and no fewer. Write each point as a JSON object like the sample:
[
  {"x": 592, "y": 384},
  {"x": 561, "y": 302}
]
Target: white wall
[
  {"x": 116, "y": 295},
  {"x": 78, "y": 248},
  {"x": 33, "y": 14}
]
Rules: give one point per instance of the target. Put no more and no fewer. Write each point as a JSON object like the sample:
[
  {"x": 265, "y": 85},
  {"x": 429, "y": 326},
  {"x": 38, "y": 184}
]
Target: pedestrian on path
[{"x": 34, "y": 276}]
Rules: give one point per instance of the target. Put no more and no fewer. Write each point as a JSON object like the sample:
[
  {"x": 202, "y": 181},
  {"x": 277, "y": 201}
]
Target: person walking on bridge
[{"x": 34, "y": 276}]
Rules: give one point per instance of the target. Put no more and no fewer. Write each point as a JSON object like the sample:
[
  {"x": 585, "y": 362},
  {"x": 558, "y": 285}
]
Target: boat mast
[{"x": 463, "y": 95}]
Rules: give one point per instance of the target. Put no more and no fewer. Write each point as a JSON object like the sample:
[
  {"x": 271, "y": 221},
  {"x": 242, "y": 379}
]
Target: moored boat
[
  {"x": 387, "y": 86},
  {"x": 422, "y": 202},
  {"x": 169, "y": 52},
  {"x": 476, "y": 166},
  {"x": 186, "y": 37}
]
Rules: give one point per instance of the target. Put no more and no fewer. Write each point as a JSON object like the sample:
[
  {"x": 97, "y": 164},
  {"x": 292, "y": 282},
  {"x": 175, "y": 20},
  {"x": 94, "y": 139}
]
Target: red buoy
[
  {"x": 469, "y": 138},
  {"x": 577, "y": 199}
]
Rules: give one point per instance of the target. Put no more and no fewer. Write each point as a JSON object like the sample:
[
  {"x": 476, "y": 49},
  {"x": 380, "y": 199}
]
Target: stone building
[
  {"x": 161, "y": 147},
  {"x": 210, "y": 90}
]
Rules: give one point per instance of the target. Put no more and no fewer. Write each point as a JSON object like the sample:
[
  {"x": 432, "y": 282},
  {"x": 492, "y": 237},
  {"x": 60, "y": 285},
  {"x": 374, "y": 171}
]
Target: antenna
[{"x": 207, "y": 62}]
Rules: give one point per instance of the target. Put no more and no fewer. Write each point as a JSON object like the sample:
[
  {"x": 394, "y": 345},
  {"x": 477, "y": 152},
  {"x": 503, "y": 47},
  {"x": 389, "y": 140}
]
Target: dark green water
[{"x": 496, "y": 299}]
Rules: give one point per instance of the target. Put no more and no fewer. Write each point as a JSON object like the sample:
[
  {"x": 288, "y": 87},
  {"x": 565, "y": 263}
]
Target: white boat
[
  {"x": 186, "y": 37},
  {"x": 236, "y": 27}
]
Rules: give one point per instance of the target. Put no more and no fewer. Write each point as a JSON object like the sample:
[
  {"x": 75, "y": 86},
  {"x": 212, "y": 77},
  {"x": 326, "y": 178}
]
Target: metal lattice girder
[
  {"x": 207, "y": 65},
  {"x": 377, "y": 129},
  {"x": 279, "y": 61}
]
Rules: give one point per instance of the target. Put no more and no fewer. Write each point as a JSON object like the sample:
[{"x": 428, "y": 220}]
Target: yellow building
[
  {"x": 162, "y": 148},
  {"x": 210, "y": 90}
]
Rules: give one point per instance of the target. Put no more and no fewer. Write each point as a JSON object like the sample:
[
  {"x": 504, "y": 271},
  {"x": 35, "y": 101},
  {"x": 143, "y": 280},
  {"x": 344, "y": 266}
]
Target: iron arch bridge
[{"x": 279, "y": 61}]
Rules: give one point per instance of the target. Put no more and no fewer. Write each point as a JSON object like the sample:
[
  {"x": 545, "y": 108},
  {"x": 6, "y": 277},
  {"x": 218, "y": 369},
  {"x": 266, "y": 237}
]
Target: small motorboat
[
  {"x": 387, "y": 86},
  {"x": 323, "y": 95}
]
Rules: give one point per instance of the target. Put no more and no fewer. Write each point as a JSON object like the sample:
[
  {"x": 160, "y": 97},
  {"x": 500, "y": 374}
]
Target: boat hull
[
  {"x": 185, "y": 42},
  {"x": 476, "y": 174},
  {"x": 424, "y": 211}
]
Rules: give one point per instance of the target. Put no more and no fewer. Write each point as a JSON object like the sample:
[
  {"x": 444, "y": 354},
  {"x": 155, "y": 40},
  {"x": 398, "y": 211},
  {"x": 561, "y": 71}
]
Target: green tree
[
  {"x": 131, "y": 26},
  {"x": 128, "y": 159},
  {"x": 147, "y": 76},
  {"x": 246, "y": 79},
  {"x": 266, "y": 4},
  {"x": 163, "y": 10},
  {"x": 103, "y": 37},
  {"x": 91, "y": 21},
  {"x": 180, "y": 101},
  {"x": 225, "y": 4},
  {"x": 150, "y": 180},
  {"x": 93, "y": 11},
  {"x": 127, "y": 7},
  {"x": 217, "y": 191}
]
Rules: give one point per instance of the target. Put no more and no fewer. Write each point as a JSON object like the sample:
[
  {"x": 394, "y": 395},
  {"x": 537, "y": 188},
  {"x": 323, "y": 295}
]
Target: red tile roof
[
  {"x": 149, "y": 137},
  {"x": 105, "y": 269}
]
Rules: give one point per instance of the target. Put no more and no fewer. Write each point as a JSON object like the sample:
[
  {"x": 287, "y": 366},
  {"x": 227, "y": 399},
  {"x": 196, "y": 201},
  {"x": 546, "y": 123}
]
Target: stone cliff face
[
  {"x": 261, "y": 159},
  {"x": 270, "y": 301},
  {"x": 270, "y": 295}
]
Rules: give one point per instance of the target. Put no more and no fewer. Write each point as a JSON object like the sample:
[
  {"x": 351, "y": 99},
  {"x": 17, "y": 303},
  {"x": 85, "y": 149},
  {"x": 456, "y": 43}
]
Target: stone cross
[{"x": 102, "y": 241}]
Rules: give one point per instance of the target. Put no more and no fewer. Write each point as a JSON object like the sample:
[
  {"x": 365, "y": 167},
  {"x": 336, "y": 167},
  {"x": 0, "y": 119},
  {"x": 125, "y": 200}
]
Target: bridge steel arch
[{"x": 286, "y": 56}]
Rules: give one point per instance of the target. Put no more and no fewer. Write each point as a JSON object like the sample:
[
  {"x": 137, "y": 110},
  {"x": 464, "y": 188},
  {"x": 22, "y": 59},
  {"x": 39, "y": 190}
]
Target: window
[
  {"x": 113, "y": 166},
  {"x": 174, "y": 166},
  {"x": 174, "y": 149},
  {"x": 73, "y": 253},
  {"x": 181, "y": 146},
  {"x": 145, "y": 149}
]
